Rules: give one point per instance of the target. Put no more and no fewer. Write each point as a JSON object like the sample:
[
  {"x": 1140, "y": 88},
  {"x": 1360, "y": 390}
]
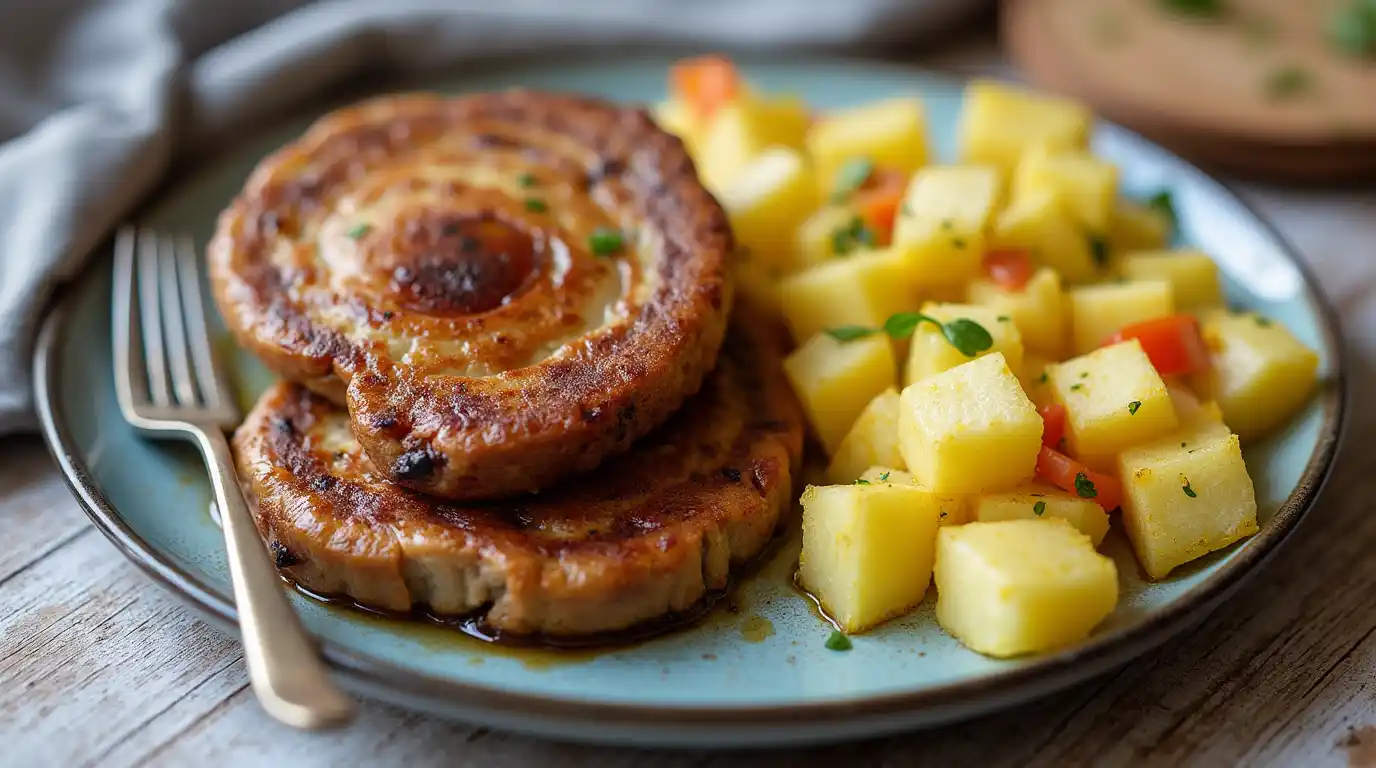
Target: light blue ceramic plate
[{"x": 759, "y": 675}]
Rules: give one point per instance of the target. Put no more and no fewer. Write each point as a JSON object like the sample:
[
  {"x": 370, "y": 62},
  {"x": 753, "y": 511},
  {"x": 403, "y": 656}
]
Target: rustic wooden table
[{"x": 100, "y": 666}]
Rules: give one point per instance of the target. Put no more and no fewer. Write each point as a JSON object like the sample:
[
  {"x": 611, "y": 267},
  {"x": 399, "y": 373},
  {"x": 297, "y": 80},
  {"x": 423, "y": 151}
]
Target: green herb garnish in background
[
  {"x": 536, "y": 205},
  {"x": 838, "y": 641},
  {"x": 1163, "y": 203},
  {"x": 850, "y": 178},
  {"x": 1133, "y": 406},
  {"x": 862, "y": 481},
  {"x": 884, "y": 478},
  {"x": 1352, "y": 28},
  {"x": 1098, "y": 248},
  {"x": 1287, "y": 82},
  {"x": 1084, "y": 487},
  {"x": 853, "y": 235},
  {"x": 1042, "y": 378},
  {"x": 1199, "y": 9},
  {"x": 357, "y": 231},
  {"x": 1076, "y": 387},
  {"x": 963, "y": 333},
  {"x": 1185, "y": 486},
  {"x": 1264, "y": 322},
  {"x": 1039, "y": 508},
  {"x": 1004, "y": 319},
  {"x": 526, "y": 179},
  {"x": 605, "y": 241}
]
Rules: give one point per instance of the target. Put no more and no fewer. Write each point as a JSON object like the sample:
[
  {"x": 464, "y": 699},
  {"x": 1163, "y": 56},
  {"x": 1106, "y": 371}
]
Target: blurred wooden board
[{"x": 1259, "y": 91}]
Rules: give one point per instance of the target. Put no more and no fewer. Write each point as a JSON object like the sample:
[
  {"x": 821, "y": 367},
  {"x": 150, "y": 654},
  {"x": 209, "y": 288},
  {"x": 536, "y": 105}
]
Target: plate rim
[{"x": 1046, "y": 673}]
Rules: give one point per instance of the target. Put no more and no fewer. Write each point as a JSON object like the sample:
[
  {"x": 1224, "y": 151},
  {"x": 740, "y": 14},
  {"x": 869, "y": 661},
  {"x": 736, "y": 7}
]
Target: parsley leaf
[
  {"x": 526, "y": 179},
  {"x": 1163, "y": 203},
  {"x": 1133, "y": 406},
  {"x": 1264, "y": 322},
  {"x": 851, "y": 177},
  {"x": 851, "y": 236},
  {"x": 850, "y": 332},
  {"x": 1039, "y": 508},
  {"x": 966, "y": 335},
  {"x": 838, "y": 642},
  {"x": 1098, "y": 248},
  {"x": 1084, "y": 487},
  {"x": 862, "y": 481},
  {"x": 1185, "y": 486},
  {"x": 357, "y": 231},
  {"x": 536, "y": 205},
  {"x": 884, "y": 478},
  {"x": 606, "y": 241}
]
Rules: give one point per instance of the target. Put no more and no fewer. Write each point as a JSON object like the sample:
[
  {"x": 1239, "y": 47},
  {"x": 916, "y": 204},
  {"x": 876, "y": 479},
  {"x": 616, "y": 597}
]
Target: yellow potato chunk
[
  {"x": 819, "y": 235},
  {"x": 1192, "y": 275},
  {"x": 768, "y": 201},
  {"x": 1083, "y": 185},
  {"x": 942, "y": 222},
  {"x": 873, "y": 439},
  {"x": 931, "y": 352},
  {"x": 835, "y": 380},
  {"x": 1038, "y": 310},
  {"x": 744, "y": 128},
  {"x": 1035, "y": 379},
  {"x": 1042, "y": 502},
  {"x": 1260, "y": 375},
  {"x": 969, "y": 429},
  {"x": 867, "y": 550},
  {"x": 1099, "y": 311},
  {"x": 860, "y": 290},
  {"x": 891, "y": 134},
  {"x": 1136, "y": 227},
  {"x": 1021, "y": 586},
  {"x": 954, "y": 509},
  {"x": 1190, "y": 411},
  {"x": 1180, "y": 504},
  {"x": 999, "y": 122},
  {"x": 1114, "y": 399},
  {"x": 1036, "y": 223}
]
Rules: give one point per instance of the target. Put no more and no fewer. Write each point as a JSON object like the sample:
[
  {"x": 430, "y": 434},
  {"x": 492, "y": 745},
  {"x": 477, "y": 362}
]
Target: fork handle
[{"x": 284, "y": 667}]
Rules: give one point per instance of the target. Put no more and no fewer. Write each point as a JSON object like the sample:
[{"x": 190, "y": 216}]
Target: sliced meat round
[{"x": 503, "y": 289}]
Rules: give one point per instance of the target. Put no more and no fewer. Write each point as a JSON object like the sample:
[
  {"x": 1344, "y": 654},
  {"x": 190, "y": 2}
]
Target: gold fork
[{"x": 171, "y": 386}]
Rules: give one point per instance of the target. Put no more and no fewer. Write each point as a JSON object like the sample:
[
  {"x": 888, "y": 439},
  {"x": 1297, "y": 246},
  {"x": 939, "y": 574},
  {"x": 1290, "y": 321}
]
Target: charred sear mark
[
  {"x": 607, "y": 168},
  {"x": 281, "y": 556},
  {"x": 731, "y": 473},
  {"x": 625, "y": 421},
  {"x": 591, "y": 415},
  {"x": 414, "y": 466}
]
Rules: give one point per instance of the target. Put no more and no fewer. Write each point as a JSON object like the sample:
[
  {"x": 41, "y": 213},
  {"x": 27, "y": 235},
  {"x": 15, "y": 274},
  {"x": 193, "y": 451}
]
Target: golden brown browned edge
[{"x": 1040, "y": 676}]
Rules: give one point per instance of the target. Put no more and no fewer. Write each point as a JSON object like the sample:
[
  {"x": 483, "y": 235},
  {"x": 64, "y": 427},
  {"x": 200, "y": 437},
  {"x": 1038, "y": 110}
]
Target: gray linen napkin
[{"x": 97, "y": 95}]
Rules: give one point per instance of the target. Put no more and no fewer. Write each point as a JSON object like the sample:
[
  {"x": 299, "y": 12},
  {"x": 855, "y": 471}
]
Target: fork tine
[
  {"x": 153, "y": 354},
  {"x": 174, "y": 323},
  {"x": 209, "y": 374},
  {"x": 129, "y": 373}
]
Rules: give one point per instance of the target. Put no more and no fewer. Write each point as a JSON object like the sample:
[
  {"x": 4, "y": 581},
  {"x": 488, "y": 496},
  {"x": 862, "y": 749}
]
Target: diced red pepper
[
  {"x": 705, "y": 83},
  {"x": 878, "y": 201},
  {"x": 1053, "y": 424},
  {"x": 1174, "y": 344},
  {"x": 1063, "y": 472},
  {"x": 1010, "y": 269}
]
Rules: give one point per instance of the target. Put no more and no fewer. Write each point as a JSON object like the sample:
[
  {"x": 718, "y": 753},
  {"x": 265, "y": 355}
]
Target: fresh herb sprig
[
  {"x": 850, "y": 178},
  {"x": 966, "y": 335},
  {"x": 838, "y": 641},
  {"x": 1163, "y": 203}
]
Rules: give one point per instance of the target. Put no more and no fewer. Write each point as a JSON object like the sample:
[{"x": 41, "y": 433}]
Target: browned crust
[
  {"x": 647, "y": 534},
  {"x": 522, "y": 426}
]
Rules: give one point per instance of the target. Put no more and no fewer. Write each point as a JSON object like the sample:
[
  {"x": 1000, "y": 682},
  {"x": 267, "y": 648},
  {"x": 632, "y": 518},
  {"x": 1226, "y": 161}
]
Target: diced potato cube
[
  {"x": 1035, "y": 379},
  {"x": 757, "y": 285},
  {"x": 942, "y": 222},
  {"x": 1084, "y": 185},
  {"x": 867, "y": 550},
  {"x": 1099, "y": 311},
  {"x": 999, "y": 122},
  {"x": 1042, "y": 502},
  {"x": 969, "y": 429},
  {"x": 860, "y": 290},
  {"x": 954, "y": 508},
  {"x": 1037, "y": 223},
  {"x": 835, "y": 381},
  {"x": 1189, "y": 411},
  {"x": 1183, "y": 503},
  {"x": 931, "y": 352},
  {"x": 873, "y": 439},
  {"x": 891, "y": 134},
  {"x": 1021, "y": 586},
  {"x": 1260, "y": 375},
  {"x": 1114, "y": 399},
  {"x": 1136, "y": 227},
  {"x": 819, "y": 235},
  {"x": 1193, "y": 276},
  {"x": 677, "y": 117},
  {"x": 1038, "y": 310},
  {"x": 744, "y": 128},
  {"x": 768, "y": 201}
]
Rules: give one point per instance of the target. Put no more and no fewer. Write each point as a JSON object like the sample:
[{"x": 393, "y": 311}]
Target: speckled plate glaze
[{"x": 758, "y": 674}]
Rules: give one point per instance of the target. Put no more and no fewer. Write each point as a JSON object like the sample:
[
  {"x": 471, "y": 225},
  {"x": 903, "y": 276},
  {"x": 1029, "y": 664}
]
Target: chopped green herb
[
  {"x": 1076, "y": 387},
  {"x": 1264, "y": 322},
  {"x": 850, "y": 332},
  {"x": 1163, "y": 203},
  {"x": 884, "y": 478},
  {"x": 1182, "y": 445},
  {"x": 1287, "y": 82},
  {"x": 838, "y": 642},
  {"x": 851, "y": 177},
  {"x": 957, "y": 243},
  {"x": 948, "y": 225},
  {"x": 1352, "y": 28},
  {"x": 1084, "y": 374},
  {"x": 853, "y": 235},
  {"x": 1098, "y": 248},
  {"x": 606, "y": 241},
  {"x": 1185, "y": 486},
  {"x": 1200, "y": 9},
  {"x": 526, "y": 179},
  {"x": 942, "y": 516},
  {"x": 357, "y": 231},
  {"x": 862, "y": 481},
  {"x": 1004, "y": 319},
  {"x": 1133, "y": 406},
  {"x": 536, "y": 205},
  {"x": 1039, "y": 508},
  {"x": 1042, "y": 378},
  {"x": 1084, "y": 487}
]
